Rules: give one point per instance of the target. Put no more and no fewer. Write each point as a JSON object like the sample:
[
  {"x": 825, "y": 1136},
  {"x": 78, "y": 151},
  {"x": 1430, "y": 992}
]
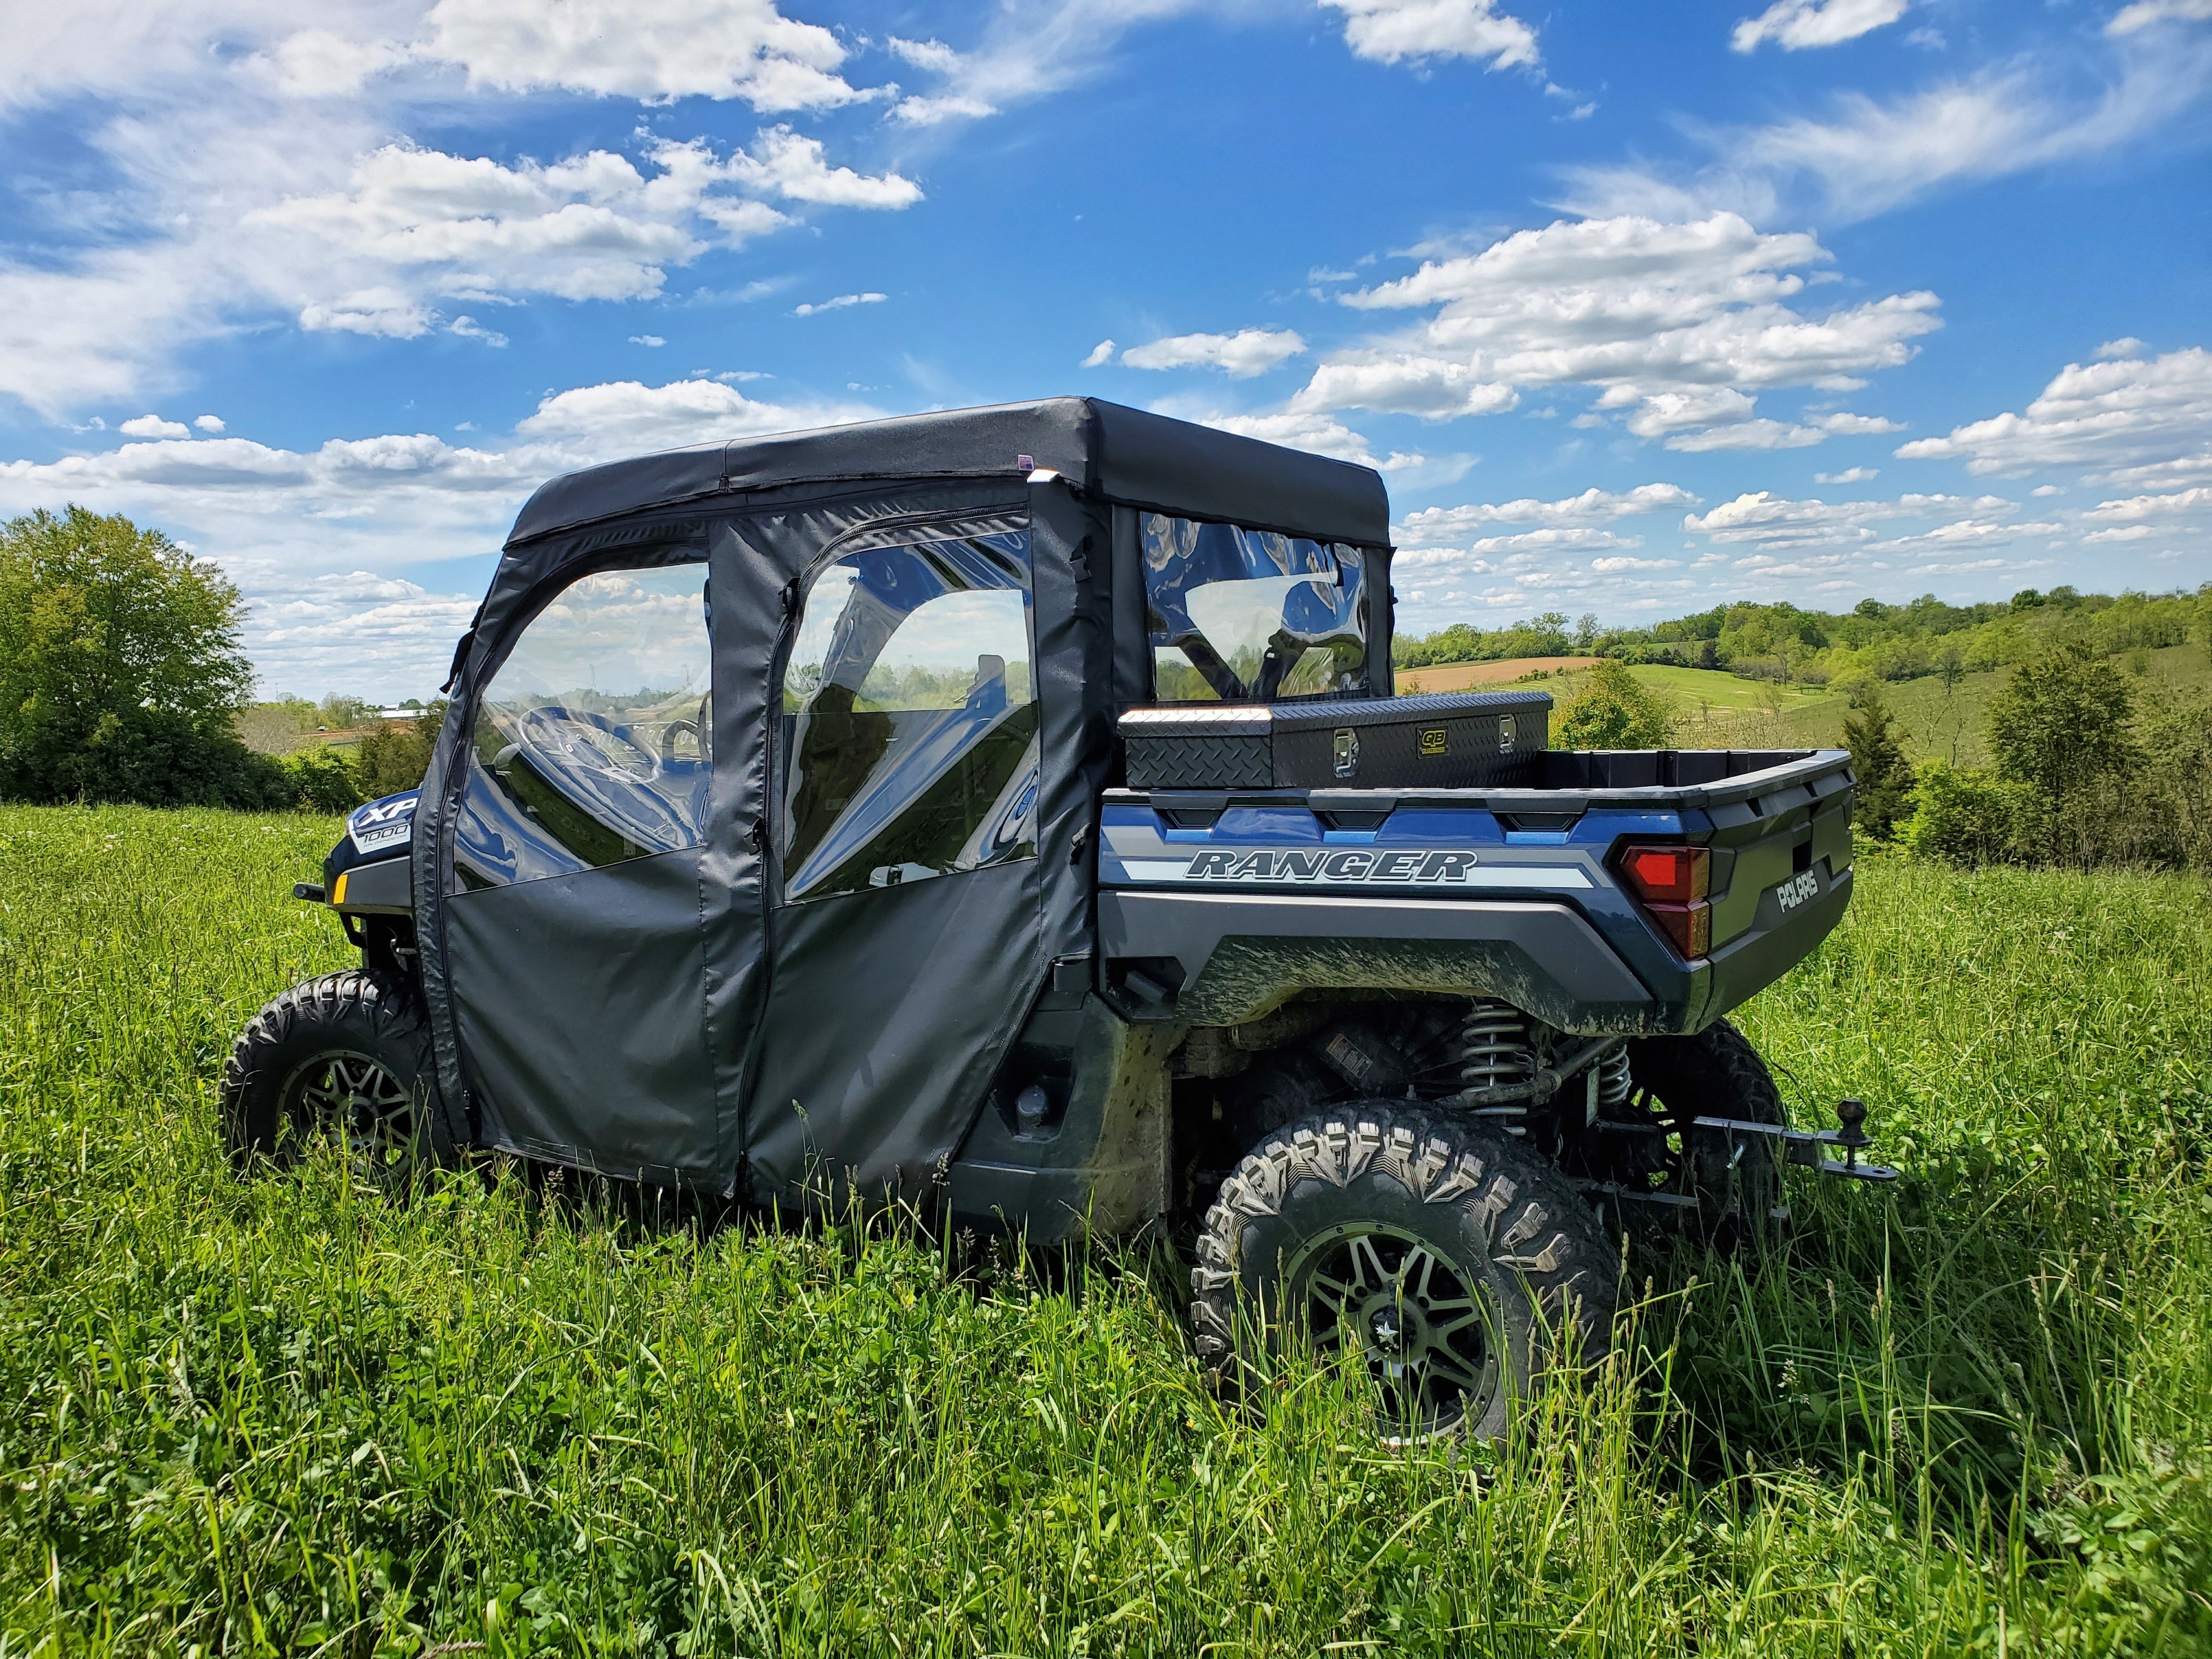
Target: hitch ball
[{"x": 1851, "y": 1114}]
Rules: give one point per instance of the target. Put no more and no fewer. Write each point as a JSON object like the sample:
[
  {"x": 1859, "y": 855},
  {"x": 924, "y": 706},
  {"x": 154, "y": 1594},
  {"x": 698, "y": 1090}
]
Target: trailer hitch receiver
[{"x": 1807, "y": 1147}]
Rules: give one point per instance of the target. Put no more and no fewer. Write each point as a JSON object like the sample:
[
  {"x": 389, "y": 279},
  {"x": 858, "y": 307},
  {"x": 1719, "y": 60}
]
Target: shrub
[
  {"x": 2174, "y": 802},
  {"x": 1967, "y": 815},
  {"x": 1614, "y": 710},
  {"x": 1885, "y": 777},
  {"x": 322, "y": 781}
]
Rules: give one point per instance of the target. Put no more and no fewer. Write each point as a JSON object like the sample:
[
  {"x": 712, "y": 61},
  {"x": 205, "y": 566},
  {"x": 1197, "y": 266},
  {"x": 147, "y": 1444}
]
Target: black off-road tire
[
  {"x": 1717, "y": 1073},
  {"x": 1512, "y": 1237},
  {"x": 347, "y": 1056}
]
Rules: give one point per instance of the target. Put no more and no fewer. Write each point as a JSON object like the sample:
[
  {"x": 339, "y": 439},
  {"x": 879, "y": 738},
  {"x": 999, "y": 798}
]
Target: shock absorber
[
  {"x": 1496, "y": 1053},
  {"x": 1613, "y": 1083}
]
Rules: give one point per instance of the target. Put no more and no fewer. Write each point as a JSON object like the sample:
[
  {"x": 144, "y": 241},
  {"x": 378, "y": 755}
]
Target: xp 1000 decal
[{"x": 382, "y": 826}]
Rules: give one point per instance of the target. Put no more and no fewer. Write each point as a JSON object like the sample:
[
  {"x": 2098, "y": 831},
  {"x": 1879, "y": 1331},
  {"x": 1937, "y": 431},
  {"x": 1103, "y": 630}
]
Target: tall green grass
[{"x": 1970, "y": 1414}]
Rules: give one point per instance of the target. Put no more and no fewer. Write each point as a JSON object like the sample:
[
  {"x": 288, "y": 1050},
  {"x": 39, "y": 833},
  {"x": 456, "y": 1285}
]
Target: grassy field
[{"x": 1969, "y": 1415}]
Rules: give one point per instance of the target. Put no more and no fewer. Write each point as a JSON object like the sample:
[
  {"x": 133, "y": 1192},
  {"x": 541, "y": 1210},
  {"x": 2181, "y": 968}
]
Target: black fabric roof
[{"x": 1124, "y": 454}]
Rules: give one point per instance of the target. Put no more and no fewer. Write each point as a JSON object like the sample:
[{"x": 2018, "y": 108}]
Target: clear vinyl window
[
  {"x": 910, "y": 721},
  {"x": 592, "y": 742},
  {"x": 1250, "y": 615}
]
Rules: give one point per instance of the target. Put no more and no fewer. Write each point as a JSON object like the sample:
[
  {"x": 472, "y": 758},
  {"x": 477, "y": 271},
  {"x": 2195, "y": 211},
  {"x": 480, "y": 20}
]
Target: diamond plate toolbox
[{"x": 1448, "y": 740}]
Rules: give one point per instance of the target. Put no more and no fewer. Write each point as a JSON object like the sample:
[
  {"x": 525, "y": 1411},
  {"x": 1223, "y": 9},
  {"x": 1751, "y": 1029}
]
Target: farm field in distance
[
  {"x": 1970, "y": 1414},
  {"x": 1462, "y": 676},
  {"x": 1715, "y": 709}
]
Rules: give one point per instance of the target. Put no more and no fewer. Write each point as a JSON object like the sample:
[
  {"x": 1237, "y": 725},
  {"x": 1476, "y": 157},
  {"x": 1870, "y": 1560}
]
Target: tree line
[{"x": 1872, "y": 641}]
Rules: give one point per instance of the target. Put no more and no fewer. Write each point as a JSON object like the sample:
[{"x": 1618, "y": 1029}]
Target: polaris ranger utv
[{"x": 1009, "y": 808}]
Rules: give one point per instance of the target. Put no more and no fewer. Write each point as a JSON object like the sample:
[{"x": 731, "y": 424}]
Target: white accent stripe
[
  {"x": 1496, "y": 877},
  {"x": 1527, "y": 875}
]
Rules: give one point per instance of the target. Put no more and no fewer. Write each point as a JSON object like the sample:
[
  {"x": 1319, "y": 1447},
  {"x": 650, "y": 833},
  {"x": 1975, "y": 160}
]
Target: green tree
[
  {"x": 343, "y": 714},
  {"x": 1614, "y": 710},
  {"x": 2060, "y": 726},
  {"x": 396, "y": 754},
  {"x": 1885, "y": 776},
  {"x": 121, "y": 673}
]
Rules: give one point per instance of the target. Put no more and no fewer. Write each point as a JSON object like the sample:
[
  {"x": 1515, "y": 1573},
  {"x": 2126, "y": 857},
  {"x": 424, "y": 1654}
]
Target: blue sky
[{"x": 1639, "y": 307}]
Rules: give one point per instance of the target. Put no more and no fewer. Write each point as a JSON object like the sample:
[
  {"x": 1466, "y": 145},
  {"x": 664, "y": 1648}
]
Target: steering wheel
[
  {"x": 697, "y": 728},
  {"x": 551, "y": 729}
]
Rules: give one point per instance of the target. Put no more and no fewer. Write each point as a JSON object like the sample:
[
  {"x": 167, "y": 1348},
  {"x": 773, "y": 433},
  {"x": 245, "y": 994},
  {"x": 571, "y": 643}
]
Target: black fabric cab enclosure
[{"x": 762, "y": 807}]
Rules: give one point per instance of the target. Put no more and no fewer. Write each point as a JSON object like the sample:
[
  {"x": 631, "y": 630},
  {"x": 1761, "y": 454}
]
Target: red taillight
[
  {"x": 1669, "y": 875},
  {"x": 1672, "y": 882}
]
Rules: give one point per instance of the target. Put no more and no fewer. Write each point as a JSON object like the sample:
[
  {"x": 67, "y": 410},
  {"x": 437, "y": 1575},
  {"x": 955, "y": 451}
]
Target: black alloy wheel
[
  {"x": 344, "y": 1059},
  {"x": 1453, "y": 1262},
  {"x": 1425, "y": 1327},
  {"x": 374, "y": 1118}
]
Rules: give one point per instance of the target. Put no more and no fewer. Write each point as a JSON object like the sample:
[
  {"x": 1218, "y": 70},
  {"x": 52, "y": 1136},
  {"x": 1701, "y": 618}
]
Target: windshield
[{"x": 1250, "y": 615}]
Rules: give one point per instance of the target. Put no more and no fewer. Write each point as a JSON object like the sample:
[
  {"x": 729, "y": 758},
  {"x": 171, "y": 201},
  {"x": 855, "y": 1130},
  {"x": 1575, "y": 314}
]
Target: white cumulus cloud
[
  {"x": 1794, "y": 25},
  {"x": 792, "y": 165},
  {"x": 1248, "y": 352},
  {"x": 1771, "y": 521},
  {"x": 1434, "y": 388},
  {"x": 1556, "y": 540},
  {"x": 299, "y": 530},
  {"x": 1681, "y": 324},
  {"x": 153, "y": 426},
  {"x": 1394, "y": 31},
  {"x": 2152, "y": 412},
  {"x": 2138, "y": 507},
  {"x": 1321, "y": 435},
  {"x": 1099, "y": 355},
  {"x": 840, "y": 303},
  {"x": 1436, "y": 524},
  {"x": 656, "y": 51},
  {"x": 624, "y": 416}
]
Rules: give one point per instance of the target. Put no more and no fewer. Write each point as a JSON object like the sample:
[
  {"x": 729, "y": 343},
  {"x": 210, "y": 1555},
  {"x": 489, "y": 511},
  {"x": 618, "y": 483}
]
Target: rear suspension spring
[
  {"x": 1496, "y": 1053},
  {"x": 1615, "y": 1085}
]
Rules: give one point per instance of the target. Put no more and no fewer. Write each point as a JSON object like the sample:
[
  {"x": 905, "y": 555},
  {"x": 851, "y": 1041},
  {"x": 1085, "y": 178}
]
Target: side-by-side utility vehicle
[{"x": 1008, "y": 809}]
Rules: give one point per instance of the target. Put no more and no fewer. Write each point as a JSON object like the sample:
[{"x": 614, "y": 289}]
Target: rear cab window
[{"x": 1251, "y": 616}]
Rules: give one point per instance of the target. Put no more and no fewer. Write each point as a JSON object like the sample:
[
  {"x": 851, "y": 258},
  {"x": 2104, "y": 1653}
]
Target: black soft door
[
  {"x": 574, "y": 931},
  {"x": 904, "y": 938}
]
